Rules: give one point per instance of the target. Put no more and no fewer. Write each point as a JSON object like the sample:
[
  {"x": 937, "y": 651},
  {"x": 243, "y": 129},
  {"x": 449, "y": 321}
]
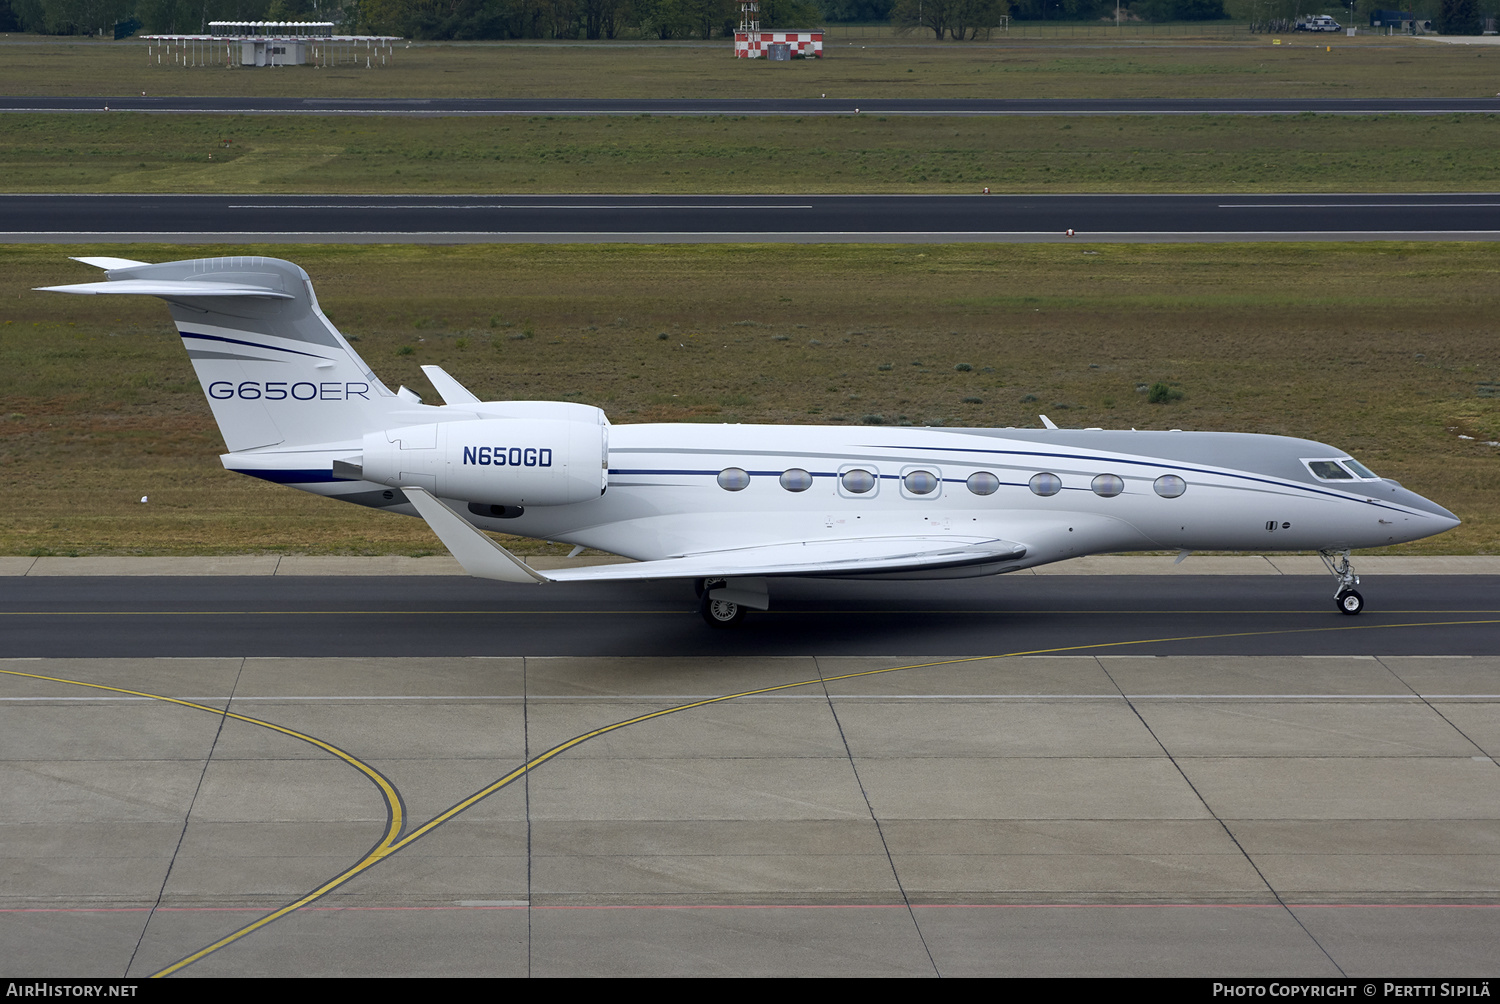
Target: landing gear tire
[
  {"x": 1345, "y": 596},
  {"x": 721, "y": 613}
]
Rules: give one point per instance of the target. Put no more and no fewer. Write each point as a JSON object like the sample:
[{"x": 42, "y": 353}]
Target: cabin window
[
  {"x": 733, "y": 479},
  {"x": 1329, "y": 470},
  {"x": 983, "y": 483},
  {"x": 1169, "y": 486},
  {"x": 920, "y": 482},
  {"x": 796, "y": 480},
  {"x": 1108, "y": 485},
  {"x": 858, "y": 481},
  {"x": 1045, "y": 485}
]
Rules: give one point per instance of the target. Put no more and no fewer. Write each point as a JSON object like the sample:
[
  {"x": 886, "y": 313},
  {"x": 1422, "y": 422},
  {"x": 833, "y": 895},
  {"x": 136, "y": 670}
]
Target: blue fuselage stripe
[
  {"x": 258, "y": 345},
  {"x": 291, "y": 477}
]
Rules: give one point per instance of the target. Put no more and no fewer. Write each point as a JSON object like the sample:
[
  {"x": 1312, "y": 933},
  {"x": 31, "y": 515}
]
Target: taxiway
[{"x": 395, "y": 793}]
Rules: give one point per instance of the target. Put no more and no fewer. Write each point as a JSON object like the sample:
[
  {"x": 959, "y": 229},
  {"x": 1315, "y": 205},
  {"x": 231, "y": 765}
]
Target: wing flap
[{"x": 859, "y": 556}]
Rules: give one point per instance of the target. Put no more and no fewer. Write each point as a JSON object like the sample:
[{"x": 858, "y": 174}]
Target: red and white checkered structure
[{"x": 753, "y": 44}]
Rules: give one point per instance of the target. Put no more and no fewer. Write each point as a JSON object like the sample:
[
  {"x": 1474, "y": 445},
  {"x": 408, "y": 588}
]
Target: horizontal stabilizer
[
  {"x": 151, "y": 287},
  {"x": 482, "y": 557},
  {"x": 111, "y": 263}
]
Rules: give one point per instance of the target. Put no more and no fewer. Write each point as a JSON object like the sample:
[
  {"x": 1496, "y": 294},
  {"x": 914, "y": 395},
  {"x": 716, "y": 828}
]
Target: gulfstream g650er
[{"x": 732, "y": 505}]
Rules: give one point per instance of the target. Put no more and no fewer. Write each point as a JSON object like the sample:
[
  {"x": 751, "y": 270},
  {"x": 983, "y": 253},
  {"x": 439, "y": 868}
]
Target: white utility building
[{"x": 270, "y": 43}]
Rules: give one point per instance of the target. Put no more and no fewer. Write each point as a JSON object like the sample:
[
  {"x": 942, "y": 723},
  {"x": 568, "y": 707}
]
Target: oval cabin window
[
  {"x": 858, "y": 481},
  {"x": 1169, "y": 486},
  {"x": 920, "y": 482},
  {"x": 1108, "y": 485},
  {"x": 1045, "y": 484},
  {"x": 983, "y": 483},
  {"x": 732, "y": 479},
  {"x": 796, "y": 480}
]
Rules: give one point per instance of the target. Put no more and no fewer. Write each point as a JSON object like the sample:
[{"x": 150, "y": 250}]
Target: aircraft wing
[
  {"x": 851, "y": 556},
  {"x": 482, "y": 557}
]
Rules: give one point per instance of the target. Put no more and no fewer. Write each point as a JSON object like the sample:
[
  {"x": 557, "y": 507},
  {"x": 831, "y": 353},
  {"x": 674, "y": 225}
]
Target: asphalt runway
[
  {"x": 754, "y": 106},
  {"x": 721, "y": 218},
  {"x": 411, "y": 616}
]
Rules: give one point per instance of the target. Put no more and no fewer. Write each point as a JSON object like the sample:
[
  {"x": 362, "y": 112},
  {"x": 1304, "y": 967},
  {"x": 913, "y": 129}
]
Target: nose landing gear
[{"x": 1345, "y": 596}]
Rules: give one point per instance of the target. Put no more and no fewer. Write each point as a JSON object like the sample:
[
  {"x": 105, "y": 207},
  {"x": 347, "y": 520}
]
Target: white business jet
[{"x": 730, "y": 506}]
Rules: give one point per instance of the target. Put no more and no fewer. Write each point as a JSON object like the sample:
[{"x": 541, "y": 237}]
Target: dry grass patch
[
  {"x": 854, "y": 67},
  {"x": 188, "y": 153}
]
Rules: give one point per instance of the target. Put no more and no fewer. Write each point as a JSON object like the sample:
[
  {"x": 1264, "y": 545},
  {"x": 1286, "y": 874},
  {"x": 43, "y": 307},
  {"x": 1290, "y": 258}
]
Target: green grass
[
  {"x": 190, "y": 153},
  {"x": 1141, "y": 64},
  {"x": 1382, "y": 349}
]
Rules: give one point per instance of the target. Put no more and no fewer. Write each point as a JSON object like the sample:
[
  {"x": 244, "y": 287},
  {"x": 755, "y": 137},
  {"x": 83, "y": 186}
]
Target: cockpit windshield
[
  {"x": 1329, "y": 470},
  {"x": 1344, "y": 469}
]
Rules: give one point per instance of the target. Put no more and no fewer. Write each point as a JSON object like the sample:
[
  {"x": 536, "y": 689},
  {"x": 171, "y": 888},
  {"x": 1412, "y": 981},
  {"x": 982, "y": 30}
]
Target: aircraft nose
[
  {"x": 1428, "y": 506},
  {"x": 1444, "y": 514}
]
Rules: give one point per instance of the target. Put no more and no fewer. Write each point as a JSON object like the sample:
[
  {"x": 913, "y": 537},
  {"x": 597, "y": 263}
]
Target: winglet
[
  {"x": 1047, "y": 422},
  {"x": 480, "y": 556},
  {"x": 449, "y": 389}
]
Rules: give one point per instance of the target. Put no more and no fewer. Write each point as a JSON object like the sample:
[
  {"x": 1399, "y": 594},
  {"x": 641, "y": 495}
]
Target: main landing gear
[
  {"x": 717, "y": 612},
  {"x": 1345, "y": 596},
  {"x": 722, "y": 603}
]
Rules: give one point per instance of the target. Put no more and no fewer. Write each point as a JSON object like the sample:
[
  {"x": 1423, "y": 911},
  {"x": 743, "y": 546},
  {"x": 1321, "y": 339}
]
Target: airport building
[
  {"x": 752, "y": 43},
  {"x": 270, "y": 43}
]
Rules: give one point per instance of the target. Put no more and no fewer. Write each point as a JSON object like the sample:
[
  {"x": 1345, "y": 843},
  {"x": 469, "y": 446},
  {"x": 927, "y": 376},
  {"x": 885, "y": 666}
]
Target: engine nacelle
[{"x": 499, "y": 461}]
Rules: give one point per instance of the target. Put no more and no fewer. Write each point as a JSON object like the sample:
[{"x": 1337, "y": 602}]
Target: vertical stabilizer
[{"x": 275, "y": 369}]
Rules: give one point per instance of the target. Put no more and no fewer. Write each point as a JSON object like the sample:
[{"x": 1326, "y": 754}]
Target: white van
[{"x": 1318, "y": 22}]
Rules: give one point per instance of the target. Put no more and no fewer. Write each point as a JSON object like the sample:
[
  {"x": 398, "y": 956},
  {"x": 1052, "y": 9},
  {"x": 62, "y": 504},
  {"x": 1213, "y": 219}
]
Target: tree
[
  {"x": 1460, "y": 17},
  {"x": 959, "y": 19},
  {"x": 663, "y": 18},
  {"x": 70, "y": 17},
  {"x": 974, "y": 16},
  {"x": 855, "y": 10},
  {"x": 599, "y": 17},
  {"x": 780, "y": 15},
  {"x": 706, "y": 14},
  {"x": 1178, "y": 10},
  {"x": 1057, "y": 10}
]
